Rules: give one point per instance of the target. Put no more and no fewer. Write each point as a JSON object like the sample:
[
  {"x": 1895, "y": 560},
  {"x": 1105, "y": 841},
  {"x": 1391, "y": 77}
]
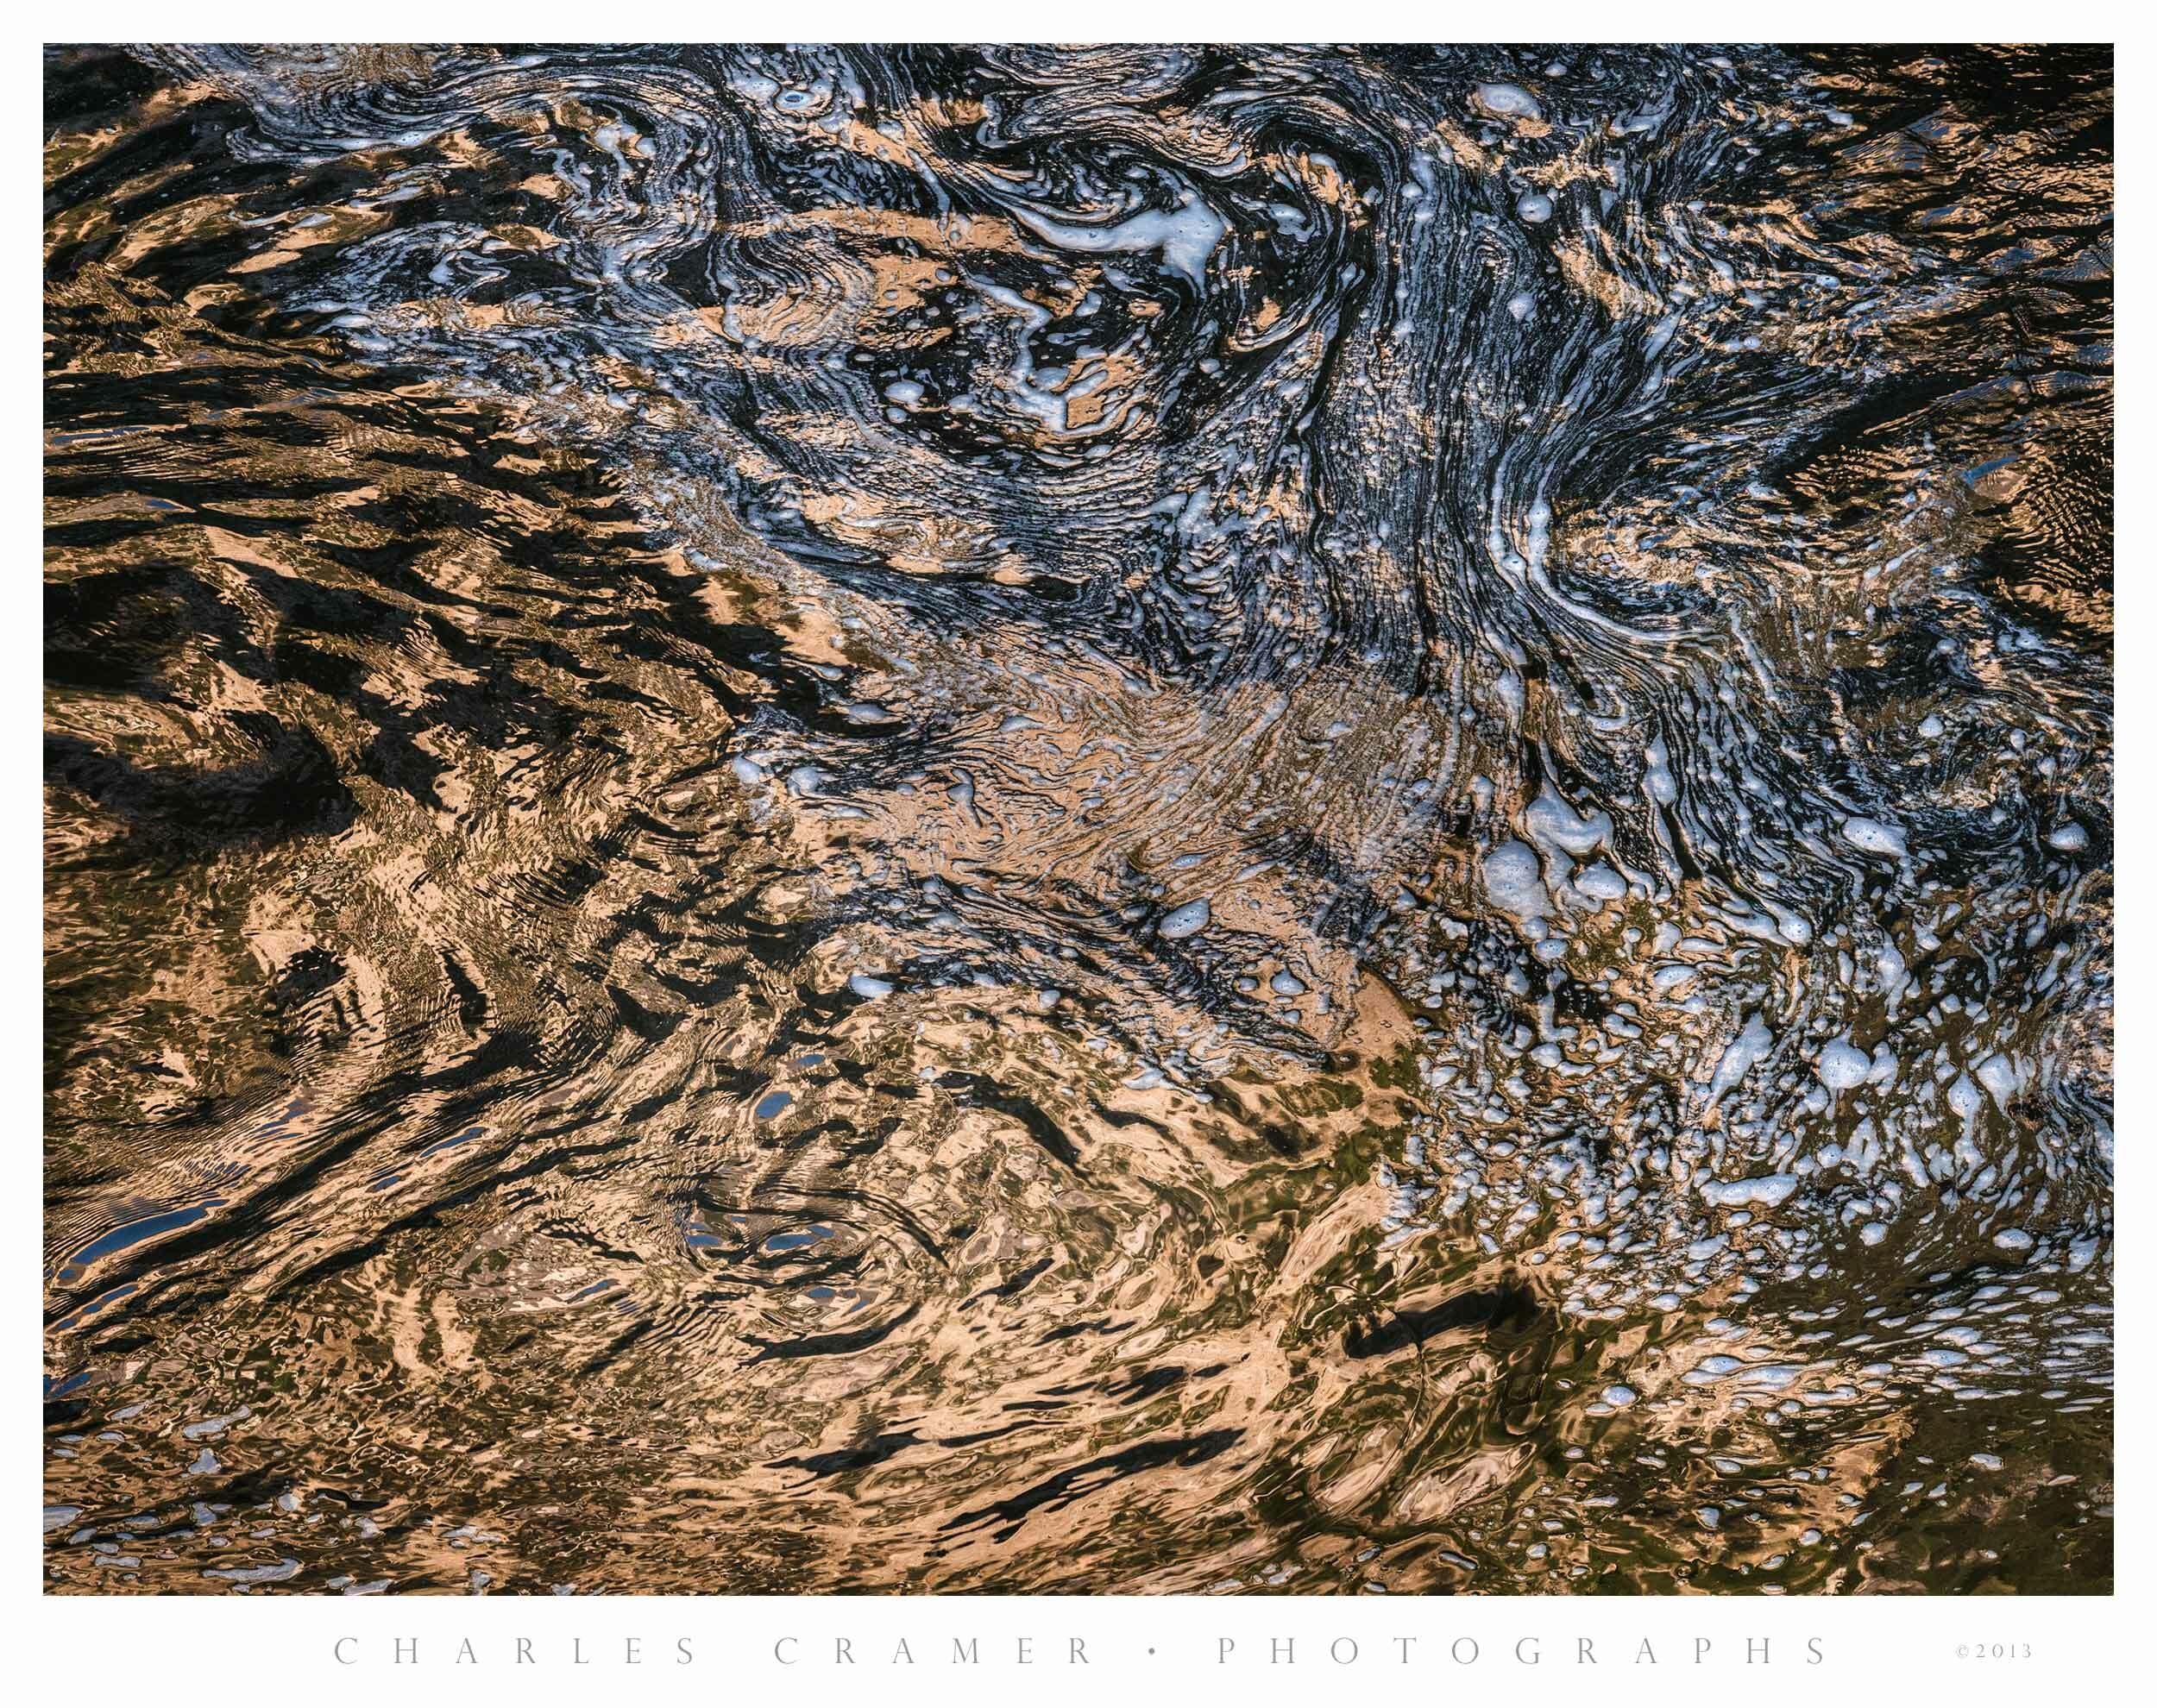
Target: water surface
[{"x": 1084, "y": 820}]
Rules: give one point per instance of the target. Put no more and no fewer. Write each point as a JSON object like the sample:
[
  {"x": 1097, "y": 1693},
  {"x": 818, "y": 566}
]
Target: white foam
[
  {"x": 1507, "y": 100},
  {"x": 1875, "y": 838},
  {"x": 1738, "y": 1058},
  {"x": 1512, "y": 877},
  {"x": 1600, "y": 881},
  {"x": 1768, "y": 1189},
  {"x": 1187, "y": 921},
  {"x": 1842, "y": 1065},
  {"x": 1187, "y": 235}
]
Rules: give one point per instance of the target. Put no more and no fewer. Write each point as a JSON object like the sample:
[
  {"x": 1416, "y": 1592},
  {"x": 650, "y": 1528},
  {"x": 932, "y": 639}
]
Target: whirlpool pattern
[{"x": 1082, "y": 819}]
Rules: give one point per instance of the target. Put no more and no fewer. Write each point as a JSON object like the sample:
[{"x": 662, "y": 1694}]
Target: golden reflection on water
[{"x": 780, "y": 794}]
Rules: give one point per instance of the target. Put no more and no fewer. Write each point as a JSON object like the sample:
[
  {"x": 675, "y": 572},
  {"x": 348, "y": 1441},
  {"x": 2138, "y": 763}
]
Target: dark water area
[{"x": 1276, "y": 819}]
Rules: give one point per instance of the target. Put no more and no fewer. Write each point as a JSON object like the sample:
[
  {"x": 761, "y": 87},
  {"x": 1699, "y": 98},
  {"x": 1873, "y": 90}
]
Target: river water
[{"x": 1277, "y": 820}]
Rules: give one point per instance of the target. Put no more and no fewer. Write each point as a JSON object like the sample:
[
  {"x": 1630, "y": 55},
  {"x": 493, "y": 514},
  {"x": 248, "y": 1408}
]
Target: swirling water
[{"x": 1081, "y": 820}]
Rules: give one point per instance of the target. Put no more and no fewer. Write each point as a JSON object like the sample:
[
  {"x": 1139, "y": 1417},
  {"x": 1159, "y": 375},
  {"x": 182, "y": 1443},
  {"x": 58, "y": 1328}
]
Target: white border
[
  {"x": 187, "y": 1650},
  {"x": 1818, "y": 21}
]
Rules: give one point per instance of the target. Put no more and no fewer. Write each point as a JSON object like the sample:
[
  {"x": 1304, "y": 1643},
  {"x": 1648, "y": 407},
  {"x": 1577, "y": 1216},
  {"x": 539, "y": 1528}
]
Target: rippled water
[{"x": 1086, "y": 820}]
